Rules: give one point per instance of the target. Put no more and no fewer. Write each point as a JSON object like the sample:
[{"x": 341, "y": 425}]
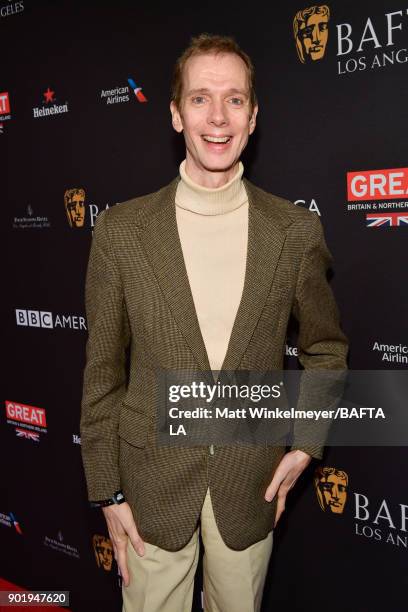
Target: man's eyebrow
[
  {"x": 199, "y": 90},
  {"x": 205, "y": 90},
  {"x": 238, "y": 91}
]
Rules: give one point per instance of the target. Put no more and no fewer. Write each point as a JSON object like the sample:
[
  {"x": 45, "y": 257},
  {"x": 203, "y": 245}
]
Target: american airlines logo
[
  {"x": 47, "y": 320},
  {"x": 9, "y": 520}
]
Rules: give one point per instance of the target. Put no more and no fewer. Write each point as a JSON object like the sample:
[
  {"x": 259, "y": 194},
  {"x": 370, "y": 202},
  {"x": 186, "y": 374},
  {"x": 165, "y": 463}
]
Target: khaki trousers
[{"x": 163, "y": 581}]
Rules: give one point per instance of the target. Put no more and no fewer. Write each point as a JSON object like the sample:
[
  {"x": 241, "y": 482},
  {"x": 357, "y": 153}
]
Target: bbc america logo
[{"x": 47, "y": 320}]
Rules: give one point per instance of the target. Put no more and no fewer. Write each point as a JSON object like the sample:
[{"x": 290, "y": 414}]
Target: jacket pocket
[{"x": 133, "y": 426}]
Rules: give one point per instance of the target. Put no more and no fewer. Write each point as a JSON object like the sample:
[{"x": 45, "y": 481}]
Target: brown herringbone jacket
[{"x": 141, "y": 316}]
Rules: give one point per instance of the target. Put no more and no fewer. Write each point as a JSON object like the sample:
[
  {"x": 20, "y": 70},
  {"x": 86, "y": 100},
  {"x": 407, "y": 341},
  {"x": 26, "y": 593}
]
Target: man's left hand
[{"x": 284, "y": 478}]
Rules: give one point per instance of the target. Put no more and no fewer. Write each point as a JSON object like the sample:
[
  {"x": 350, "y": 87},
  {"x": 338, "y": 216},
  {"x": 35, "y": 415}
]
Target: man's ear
[
  {"x": 176, "y": 117},
  {"x": 252, "y": 120}
]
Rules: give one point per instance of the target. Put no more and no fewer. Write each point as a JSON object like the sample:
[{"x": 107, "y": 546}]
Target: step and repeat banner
[{"x": 85, "y": 124}]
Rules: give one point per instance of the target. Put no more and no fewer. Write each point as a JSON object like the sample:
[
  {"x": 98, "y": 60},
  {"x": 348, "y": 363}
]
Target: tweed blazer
[{"x": 141, "y": 317}]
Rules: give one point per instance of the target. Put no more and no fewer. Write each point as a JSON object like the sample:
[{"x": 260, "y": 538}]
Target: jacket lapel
[
  {"x": 161, "y": 241},
  {"x": 266, "y": 238}
]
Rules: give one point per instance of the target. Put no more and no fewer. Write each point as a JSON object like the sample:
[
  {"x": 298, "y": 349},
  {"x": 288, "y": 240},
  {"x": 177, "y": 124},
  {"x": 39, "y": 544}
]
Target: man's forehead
[
  {"x": 219, "y": 71},
  {"x": 333, "y": 478},
  {"x": 316, "y": 18}
]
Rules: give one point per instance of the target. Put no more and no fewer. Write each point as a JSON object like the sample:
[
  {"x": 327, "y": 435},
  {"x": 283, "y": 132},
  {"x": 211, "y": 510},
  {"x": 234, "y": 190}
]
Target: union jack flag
[
  {"x": 30, "y": 435},
  {"x": 387, "y": 219}
]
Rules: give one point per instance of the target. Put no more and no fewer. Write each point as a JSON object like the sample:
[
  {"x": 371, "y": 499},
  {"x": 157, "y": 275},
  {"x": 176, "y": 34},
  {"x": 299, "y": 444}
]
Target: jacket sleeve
[
  {"x": 105, "y": 372},
  {"x": 322, "y": 345}
]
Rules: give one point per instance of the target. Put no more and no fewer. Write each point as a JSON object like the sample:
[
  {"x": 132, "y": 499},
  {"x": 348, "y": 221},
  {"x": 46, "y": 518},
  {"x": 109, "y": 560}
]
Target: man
[{"x": 201, "y": 274}]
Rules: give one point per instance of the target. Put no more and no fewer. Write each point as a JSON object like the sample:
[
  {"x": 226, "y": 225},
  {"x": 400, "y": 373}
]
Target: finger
[
  {"x": 277, "y": 516},
  {"x": 293, "y": 483},
  {"x": 122, "y": 563},
  {"x": 138, "y": 545},
  {"x": 283, "y": 485},
  {"x": 136, "y": 541},
  {"x": 279, "y": 475},
  {"x": 272, "y": 488},
  {"x": 280, "y": 507}
]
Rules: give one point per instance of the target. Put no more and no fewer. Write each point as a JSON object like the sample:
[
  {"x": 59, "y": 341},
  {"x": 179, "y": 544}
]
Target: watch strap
[{"x": 117, "y": 498}]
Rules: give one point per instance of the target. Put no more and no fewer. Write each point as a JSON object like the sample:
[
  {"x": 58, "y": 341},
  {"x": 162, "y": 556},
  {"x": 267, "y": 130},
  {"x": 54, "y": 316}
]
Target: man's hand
[
  {"x": 121, "y": 525},
  {"x": 285, "y": 476}
]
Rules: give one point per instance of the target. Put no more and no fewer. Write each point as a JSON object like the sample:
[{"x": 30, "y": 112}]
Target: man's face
[
  {"x": 103, "y": 551},
  {"x": 314, "y": 33},
  {"x": 333, "y": 490},
  {"x": 214, "y": 116},
  {"x": 76, "y": 210}
]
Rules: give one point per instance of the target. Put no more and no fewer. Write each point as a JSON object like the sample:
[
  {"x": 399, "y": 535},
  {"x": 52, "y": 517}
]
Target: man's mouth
[{"x": 217, "y": 139}]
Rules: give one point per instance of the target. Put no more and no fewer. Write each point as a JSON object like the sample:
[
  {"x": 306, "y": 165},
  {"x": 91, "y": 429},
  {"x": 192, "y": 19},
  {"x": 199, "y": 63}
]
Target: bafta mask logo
[
  {"x": 331, "y": 489},
  {"x": 310, "y": 28},
  {"x": 74, "y": 201},
  {"x": 103, "y": 552}
]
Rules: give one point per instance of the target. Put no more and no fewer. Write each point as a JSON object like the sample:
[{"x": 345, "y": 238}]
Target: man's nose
[
  {"x": 315, "y": 36},
  {"x": 217, "y": 114}
]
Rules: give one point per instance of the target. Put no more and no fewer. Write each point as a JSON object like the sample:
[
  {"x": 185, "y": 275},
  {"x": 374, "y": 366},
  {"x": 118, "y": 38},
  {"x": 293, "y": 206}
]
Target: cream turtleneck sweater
[{"x": 213, "y": 230}]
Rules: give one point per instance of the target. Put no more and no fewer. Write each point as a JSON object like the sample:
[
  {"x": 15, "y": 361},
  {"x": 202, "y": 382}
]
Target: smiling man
[
  {"x": 204, "y": 273},
  {"x": 215, "y": 106}
]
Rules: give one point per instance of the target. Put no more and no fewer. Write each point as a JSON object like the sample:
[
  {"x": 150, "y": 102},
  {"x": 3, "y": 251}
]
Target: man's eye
[
  {"x": 326, "y": 486},
  {"x": 198, "y": 100},
  {"x": 307, "y": 32},
  {"x": 236, "y": 101}
]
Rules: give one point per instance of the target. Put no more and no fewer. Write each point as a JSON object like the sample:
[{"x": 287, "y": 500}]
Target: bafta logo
[
  {"x": 103, "y": 552},
  {"x": 310, "y": 28},
  {"x": 74, "y": 201},
  {"x": 331, "y": 489}
]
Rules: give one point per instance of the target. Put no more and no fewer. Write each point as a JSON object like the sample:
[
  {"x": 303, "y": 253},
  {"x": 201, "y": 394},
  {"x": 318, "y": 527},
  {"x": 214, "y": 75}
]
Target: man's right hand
[{"x": 121, "y": 526}]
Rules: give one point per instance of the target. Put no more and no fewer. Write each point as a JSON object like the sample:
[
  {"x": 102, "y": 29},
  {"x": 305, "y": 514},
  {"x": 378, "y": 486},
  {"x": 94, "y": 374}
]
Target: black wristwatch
[{"x": 117, "y": 498}]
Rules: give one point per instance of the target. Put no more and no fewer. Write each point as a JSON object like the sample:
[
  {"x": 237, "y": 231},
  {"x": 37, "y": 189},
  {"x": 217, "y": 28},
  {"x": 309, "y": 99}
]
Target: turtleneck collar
[{"x": 206, "y": 201}]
